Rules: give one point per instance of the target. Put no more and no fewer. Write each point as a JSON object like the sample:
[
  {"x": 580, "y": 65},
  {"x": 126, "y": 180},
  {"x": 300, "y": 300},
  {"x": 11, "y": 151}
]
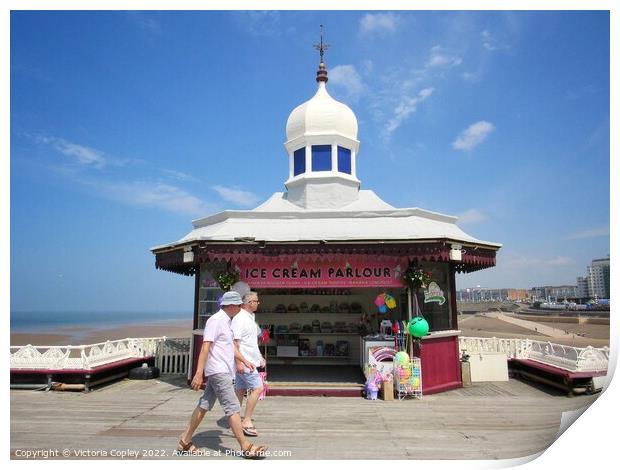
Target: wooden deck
[{"x": 497, "y": 420}]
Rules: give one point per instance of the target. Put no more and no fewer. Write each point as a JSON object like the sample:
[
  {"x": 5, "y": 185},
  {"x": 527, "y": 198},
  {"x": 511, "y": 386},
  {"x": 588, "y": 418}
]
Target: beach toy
[
  {"x": 264, "y": 336},
  {"x": 418, "y": 327},
  {"x": 401, "y": 357},
  {"x": 372, "y": 391},
  {"x": 404, "y": 373}
]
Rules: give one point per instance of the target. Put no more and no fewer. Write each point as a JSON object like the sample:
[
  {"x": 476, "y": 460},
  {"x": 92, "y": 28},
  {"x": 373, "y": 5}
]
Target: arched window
[
  {"x": 321, "y": 158},
  {"x": 299, "y": 161},
  {"x": 344, "y": 160}
]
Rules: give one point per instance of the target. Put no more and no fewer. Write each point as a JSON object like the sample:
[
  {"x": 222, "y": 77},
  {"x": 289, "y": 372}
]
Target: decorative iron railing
[
  {"x": 84, "y": 357},
  {"x": 172, "y": 355},
  {"x": 564, "y": 357}
]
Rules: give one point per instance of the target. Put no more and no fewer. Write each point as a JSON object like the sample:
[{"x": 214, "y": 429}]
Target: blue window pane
[
  {"x": 321, "y": 158},
  {"x": 344, "y": 160},
  {"x": 299, "y": 161}
]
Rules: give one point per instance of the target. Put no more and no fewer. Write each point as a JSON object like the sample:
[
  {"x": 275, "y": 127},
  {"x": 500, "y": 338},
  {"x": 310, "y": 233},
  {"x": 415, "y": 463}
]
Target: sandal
[
  {"x": 186, "y": 446},
  {"x": 254, "y": 452},
  {"x": 249, "y": 431}
]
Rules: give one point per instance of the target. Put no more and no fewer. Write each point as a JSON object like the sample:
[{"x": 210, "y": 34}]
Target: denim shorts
[
  {"x": 248, "y": 381},
  {"x": 220, "y": 386}
]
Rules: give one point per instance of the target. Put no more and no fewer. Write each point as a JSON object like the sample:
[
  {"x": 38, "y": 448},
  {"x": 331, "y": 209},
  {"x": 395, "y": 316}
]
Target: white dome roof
[{"x": 321, "y": 115}]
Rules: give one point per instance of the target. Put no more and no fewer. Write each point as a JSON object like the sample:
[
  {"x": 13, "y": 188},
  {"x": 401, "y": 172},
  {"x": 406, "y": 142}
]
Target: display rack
[{"x": 408, "y": 379}]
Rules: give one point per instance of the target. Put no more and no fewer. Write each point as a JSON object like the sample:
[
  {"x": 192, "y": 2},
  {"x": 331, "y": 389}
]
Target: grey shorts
[{"x": 220, "y": 386}]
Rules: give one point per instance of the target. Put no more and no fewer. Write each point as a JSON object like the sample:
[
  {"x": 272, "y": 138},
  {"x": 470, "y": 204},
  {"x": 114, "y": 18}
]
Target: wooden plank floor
[{"x": 495, "y": 420}]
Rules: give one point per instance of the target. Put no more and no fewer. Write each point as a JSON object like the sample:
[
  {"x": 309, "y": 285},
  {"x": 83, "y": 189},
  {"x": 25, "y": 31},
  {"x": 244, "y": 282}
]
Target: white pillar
[
  {"x": 291, "y": 164},
  {"x": 308, "y": 158}
]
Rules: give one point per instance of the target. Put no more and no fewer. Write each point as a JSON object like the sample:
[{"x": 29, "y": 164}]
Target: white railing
[
  {"x": 565, "y": 357},
  {"x": 84, "y": 357},
  {"x": 173, "y": 356}
]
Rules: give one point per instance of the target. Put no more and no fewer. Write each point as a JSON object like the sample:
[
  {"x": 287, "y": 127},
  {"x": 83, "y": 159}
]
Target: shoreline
[{"x": 76, "y": 335}]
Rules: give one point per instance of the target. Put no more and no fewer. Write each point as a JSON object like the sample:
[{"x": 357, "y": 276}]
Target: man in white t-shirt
[
  {"x": 246, "y": 333},
  {"x": 217, "y": 362}
]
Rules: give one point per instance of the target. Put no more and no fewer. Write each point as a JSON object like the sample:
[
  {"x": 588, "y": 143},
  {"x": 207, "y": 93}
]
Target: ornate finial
[{"x": 321, "y": 75}]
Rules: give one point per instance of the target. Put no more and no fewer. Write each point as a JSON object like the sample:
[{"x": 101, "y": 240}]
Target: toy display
[{"x": 408, "y": 379}]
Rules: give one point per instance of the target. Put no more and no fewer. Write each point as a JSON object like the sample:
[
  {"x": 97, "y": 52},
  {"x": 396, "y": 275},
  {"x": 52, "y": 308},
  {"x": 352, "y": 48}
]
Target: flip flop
[
  {"x": 254, "y": 452},
  {"x": 249, "y": 431},
  {"x": 186, "y": 446}
]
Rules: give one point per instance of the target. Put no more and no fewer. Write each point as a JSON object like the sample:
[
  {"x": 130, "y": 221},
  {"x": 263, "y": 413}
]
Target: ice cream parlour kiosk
[{"x": 338, "y": 270}]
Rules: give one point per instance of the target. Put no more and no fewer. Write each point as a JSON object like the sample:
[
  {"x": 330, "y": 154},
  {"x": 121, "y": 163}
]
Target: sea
[{"x": 27, "y": 322}]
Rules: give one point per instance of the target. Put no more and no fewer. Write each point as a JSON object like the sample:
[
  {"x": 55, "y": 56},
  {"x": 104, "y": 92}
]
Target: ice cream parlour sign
[{"x": 364, "y": 272}]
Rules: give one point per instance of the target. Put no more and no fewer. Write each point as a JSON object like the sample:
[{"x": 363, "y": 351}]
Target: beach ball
[
  {"x": 418, "y": 327},
  {"x": 401, "y": 357}
]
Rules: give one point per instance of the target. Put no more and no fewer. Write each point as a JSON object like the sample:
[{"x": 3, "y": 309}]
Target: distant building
[
  {"x": 582, "y": 288},
  {"x": 484, "y": 294},
  {"x": 598, "y": 278},
  {"x": 554, "y": 293}
]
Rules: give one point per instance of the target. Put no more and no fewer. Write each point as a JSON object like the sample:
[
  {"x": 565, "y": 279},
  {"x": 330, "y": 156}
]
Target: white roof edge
[
  {"x": 253, "y": 214},
  {"x": 190, "y": 241}
]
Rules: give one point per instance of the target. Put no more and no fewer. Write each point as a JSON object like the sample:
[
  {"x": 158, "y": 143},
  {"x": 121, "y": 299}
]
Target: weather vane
[{"x": 321, "y": 47}]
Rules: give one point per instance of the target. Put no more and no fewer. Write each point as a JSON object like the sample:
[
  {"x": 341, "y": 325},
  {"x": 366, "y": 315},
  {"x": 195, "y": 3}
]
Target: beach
[
  {"x": 479, "y": 325},
  {"x": 77, "y": 335}
]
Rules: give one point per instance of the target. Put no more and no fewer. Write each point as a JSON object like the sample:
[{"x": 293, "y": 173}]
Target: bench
[
  {"x": 76, "y": 378},
  {"x": 568, "y": 381}
]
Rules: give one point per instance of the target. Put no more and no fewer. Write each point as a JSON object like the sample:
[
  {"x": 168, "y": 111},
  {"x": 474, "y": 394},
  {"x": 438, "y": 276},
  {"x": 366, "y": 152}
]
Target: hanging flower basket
[
  {"x": 227, "y": 279},
  {"x": 416, "y": 278}
]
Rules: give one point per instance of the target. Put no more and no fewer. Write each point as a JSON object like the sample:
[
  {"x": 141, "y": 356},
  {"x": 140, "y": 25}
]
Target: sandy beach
[
  {"x": 487, "y": 327},
  {"x": 77, "y": 335}
]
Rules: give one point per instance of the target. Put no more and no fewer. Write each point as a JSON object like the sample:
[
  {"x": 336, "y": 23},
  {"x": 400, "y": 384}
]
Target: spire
[{"x": 321, "y": 74}]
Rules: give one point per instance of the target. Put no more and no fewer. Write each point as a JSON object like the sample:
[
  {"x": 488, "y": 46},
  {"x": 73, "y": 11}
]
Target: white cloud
[
  {"x": 407, "y": 106},
  {"x": 347, "y": 78},
  {"x": 179, "y": 175},
  {"x": 368, "y": 66},
  {"x": 379, "y": 23},
  {"x": 237, "y": 196},
  {"x": 145, "y": 22},
  {"x": 472, "y": 136},
  {"x": 80, "y": 154},
  {"x": 471, "y": 216},
  {"x": 154, "y": 195},
  {"x": 440, "y": 58},
  {"x": 490, "y": 42},
  {"x": 260, "y": 23},
  {"x": 590, "y": 233}
]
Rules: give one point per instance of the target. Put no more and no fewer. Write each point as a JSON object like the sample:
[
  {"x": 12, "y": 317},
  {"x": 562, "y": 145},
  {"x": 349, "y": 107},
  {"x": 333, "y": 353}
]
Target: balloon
[
  {"x": 390, "y": 301},
  {"x": 418, "y": 327},
  {"x": 401, "y": 357},
  {"x": 382, "y": 308},
  {"x": 241, "y": 287},
  {"x": 380, "y": 300}
]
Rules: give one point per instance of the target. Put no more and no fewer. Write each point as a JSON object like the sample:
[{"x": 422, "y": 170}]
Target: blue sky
[{"x": 125, "y": 126}]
